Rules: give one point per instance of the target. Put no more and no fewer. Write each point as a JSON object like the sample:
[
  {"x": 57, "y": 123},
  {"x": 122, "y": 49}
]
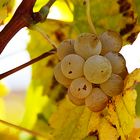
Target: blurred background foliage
[{"x": 47, "y": 110}]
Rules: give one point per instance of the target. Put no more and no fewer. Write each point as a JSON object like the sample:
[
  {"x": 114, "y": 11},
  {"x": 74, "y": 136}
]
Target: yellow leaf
[
  {"x": 117, "y": 121},
  {"x": 135, "y": 134},
  {"x": 76, "y": 123},
  {"x": 3, "y": 90}
]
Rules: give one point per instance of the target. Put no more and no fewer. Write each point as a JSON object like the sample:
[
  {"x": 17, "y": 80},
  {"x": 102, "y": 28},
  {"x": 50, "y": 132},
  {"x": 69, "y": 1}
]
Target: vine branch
[
  {"x": 42, "y": 56},
  {"x": 44, "y": 34},
  {"x": 22, "y": 128},
  {"x": 23, "y": 17}
]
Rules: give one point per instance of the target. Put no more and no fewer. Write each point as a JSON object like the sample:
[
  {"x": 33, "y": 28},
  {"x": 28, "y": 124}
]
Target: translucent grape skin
[
  {"x": 74, "y": 100},
  {"x": 111, "y": 41},
  {"x": 59, "y": 76},
  {"x": 66, "y": 47},
  {"x": 97, "y": 100},
  {"x": 113, "y": 86},
  {"x": 72, "y": 66},
  {"x": 80, "y": 88},
  {"x": 124, "y": 73},
  {"x": 117, "y": 61},
  {"x": 97, "y": 69},
  {"x": 87, "y": 44}
]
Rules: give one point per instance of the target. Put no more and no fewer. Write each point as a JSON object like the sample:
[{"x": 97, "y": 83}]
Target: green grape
[
  {"x": 111, "y": 41},
  {"x": 117, "y": 61},
  {"x": 113, "y": 86},
  {"x": 72, "y": 66},
  {"x": 75, "y": 100},
  {"x": 97, "y": 69},
  {"x": 124, "y": 73},
  {"x": 80, "y": 88},
  {"x": 97, "y": 100},
  {"x": 59, "y": 76},
  {"x": 66, "y": 47},
  {"x": 87, "y": 44}
]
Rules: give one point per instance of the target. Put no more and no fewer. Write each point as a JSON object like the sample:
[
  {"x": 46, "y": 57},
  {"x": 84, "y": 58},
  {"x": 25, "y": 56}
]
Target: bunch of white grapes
[{"x": 92, "y": 68}]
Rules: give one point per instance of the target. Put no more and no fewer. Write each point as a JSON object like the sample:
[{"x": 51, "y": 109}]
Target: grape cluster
[{"x": 92, "y": 68}]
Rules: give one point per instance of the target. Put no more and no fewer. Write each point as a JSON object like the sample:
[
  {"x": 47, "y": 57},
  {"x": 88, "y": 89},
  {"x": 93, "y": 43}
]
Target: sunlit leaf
[
  {"x": 6, "y": 7},
  {"x": 3, "y": 90},
  {"x": 132, "y": 85},
  {"x": 138, "y": 100},
  {"x": 44, "y": 91},
  {"x": 57, "y": 10},
  {"x": 7, "y": 135},
  {"x": 79, "y": 123},
  {"x": 69, "y": 121},
  {"x": 137, "y": 3},
  {"x": 135, "y": 134},
  {"x": 115, "y": 122},
  {"x": 34, "y": 104},
  {"x": 2, "y": 109},
  {"x": 39, "y": 4},
  {"x": 116, "y": 15}
]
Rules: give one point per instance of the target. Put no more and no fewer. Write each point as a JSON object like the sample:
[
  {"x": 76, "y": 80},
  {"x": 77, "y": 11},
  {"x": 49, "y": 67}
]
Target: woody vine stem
[{"x": 25, "y": 17}]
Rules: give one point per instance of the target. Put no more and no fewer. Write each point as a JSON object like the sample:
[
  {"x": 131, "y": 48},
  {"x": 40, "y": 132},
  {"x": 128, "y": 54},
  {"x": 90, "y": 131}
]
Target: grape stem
[
  {"x": 23, "y": 17},
  {"x": 44, "y": 34},
  {"x": 22, "y": 129},
  {"x": 89, "y": 19},
  {"x": 42, "y": 56}
]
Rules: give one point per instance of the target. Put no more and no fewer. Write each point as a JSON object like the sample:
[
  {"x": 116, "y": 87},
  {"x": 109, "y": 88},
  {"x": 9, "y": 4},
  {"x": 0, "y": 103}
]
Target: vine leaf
[
  {"x": 116, "y": 121},
  {"x": 135, "y": 134},
  {"x": 133, "y": 87},
  {"x": 120, "y": 16},
  {"x": 43, "y": 102},
  {"x": 33, "y": 108},
  {"x": 138, "y": 100},
  {"x": 137, "y": 3},
  {"x": 79, "y": 123},
  {"x": 6, "y": 7},
  {"x": 69, "y": 121}
]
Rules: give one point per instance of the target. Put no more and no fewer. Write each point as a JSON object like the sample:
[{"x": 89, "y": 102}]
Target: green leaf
[
  {"x": 137, "y": 3},
  {"x": 34, "y": 103},
  {"x": 108, "y": 15}
]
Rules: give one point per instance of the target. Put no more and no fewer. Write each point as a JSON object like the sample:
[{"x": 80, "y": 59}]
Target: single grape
[
  {"x": 59, "y": 76},
  {"x": 113, "y": 86},
  {"x": 66, "y": 47},
  {"x": 97, "y": 69},
  {"x": 124, "y": 73},
  {"x": 111, "y": 41},
  {"x": 72, "y": 66},
  {"x": 97, "y": 100},
  {"x": 117, "y": 61},
  {"x": 75, "y": 100},
  {"x": 87, "y": 44},
  {"x": 80, "y": 88}
]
